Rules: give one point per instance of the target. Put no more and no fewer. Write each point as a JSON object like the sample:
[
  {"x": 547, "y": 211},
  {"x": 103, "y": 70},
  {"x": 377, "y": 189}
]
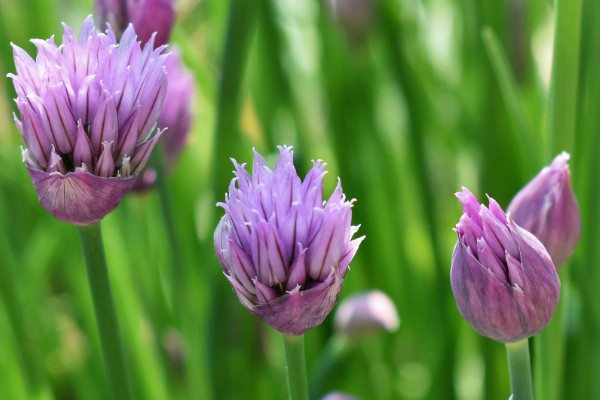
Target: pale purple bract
[
  {"x": 88, "y": 112},
  {"x": 503, "y": 279},
  {"x": 284, "y": 251}
]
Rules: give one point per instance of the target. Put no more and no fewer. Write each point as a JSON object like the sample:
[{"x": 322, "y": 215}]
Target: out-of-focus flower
[
  {"x": 547, "y": 207},
  {"x": 176, "y": 117},
  {"x": 355, "y": 16},
  {"x": 366, "y": 313},
  {"x": 147, "y": 16},
  {"x": 176, "y": 114},
  {"x": 284, "y": 251},
  {"x": 502, "y": 277},
  {"x": 88, "y": 112},
  {"x": 338, "y": 396}
]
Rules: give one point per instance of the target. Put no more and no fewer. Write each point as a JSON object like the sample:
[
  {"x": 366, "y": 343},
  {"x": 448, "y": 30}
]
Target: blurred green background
[{"x": 406, "y": 101}]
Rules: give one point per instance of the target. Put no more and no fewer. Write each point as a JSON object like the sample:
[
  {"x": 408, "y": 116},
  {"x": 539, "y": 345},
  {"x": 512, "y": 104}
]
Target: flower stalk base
[
  {"x": 295, "y": 367},
  {"x": 106, "y": 318},
  {"x": 519, "y": 365}
]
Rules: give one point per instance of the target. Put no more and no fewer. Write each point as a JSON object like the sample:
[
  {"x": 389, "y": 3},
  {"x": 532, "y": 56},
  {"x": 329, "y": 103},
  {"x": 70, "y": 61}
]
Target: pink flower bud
[
  {"x": 547, "y": 207},
  {"x": 503, "y": 279}
]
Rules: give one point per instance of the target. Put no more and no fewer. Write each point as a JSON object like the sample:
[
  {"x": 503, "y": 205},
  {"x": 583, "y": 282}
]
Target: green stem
[
  {"x": 520, "y": 370},
  {"x": 177, "y": 279},
  {"x": 562, "y": 104},
  {"x": 549, "y": 351},
  {"x": 90, "y": 238},
  {"x": 522, "y": 130},
  {"x": 334, "y": 349},
  {"x": 295, "y": 367},
  {"x": 27, "y": 353}
]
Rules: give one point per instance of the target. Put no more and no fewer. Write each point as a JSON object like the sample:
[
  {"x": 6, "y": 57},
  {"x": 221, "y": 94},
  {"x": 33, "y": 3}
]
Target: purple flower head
[
  {"x": 176, "y": 114},
  {"x": 547, "y": 207},
  {"x": 283, "y": 249},
  {"x": 502, "y": 277},
  {"x": 338, "y": 396},
  {"x": 366, "y": 313},
  {"x": 88, "y": 112},
  {"x": 147, "y": 16}
]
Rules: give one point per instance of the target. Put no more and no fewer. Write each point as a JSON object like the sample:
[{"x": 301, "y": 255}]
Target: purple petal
[
  {"x": 142, "y": 153},
  {"x": 104, "y": 127},
  {"x": 34, "y": 135},
  {"x": 329, "y": 244},
  {"x": 82, "y": 152},
  {"x": 297, "y": 275},
  {"x": 59, "y": 120},
  {"x": 267, "y": 255},
  {"x": 105, "y": 166}
]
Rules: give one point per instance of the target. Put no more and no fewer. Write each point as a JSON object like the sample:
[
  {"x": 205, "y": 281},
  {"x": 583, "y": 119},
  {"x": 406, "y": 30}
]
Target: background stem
[{"x": 106, "y": 317}]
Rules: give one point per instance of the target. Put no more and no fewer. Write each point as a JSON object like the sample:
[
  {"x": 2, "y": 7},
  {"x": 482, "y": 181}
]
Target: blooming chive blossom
[
  {"x": 502, "y": 277},
  {"x": 147, "y": 16},
  {"x": 88, "y": 113},
  {"x": 547, "y": 207},
  {"x": 284, "y": 251}
]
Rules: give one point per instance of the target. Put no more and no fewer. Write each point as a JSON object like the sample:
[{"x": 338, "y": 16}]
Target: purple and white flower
[
  {"x": 88, "y": 111},
  {"x": 283, "y": 249}
]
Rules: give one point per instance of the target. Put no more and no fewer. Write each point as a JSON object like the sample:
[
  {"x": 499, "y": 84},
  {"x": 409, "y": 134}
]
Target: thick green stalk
[
  {"x": 242, "y": 14},
  {"x": 227, "y": 143},
  {"x": 34, "y": 375},
  {"x": 562, "y": 123},
  {"x": 335, "y": 348},
  {"x": 295, "y": 367},
  {"x": 90, "y": 238},
  {"x": 522, "y": 130},
  {"x": 177, "y": 278},
  {"x": 520, "y": 370},
  {"x": 562, "y": 104}
]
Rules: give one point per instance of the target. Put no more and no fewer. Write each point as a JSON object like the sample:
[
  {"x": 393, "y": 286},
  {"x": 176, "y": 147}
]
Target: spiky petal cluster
[
  {"x": 547, "y": 207},
  {"x": 147, "y": 16},
  {"x": 283, "y": 250},
  {"x": 502, "y": 277},
  {"x": 88, "y": 111}
]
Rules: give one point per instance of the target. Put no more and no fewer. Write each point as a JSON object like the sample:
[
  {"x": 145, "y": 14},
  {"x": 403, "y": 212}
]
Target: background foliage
[{"x": 430, "y": 96}]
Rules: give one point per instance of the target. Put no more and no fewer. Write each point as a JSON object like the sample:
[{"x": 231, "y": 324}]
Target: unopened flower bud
[
  {"x": 547, "y": 207},
  {"x": 366, "y": 313},
  {"x": 503, "y": 279},
  {"x": 338, "y": 396},
  {"x": 283, "y": 250}
]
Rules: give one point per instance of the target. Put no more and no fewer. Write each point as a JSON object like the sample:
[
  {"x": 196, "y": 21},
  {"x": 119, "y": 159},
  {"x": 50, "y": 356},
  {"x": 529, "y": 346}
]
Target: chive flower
[
  {"x": 284, "y": 250},
  {"x": 88, "y": 111},
  {"x": 503, "y": 279},
  {"x": 547, "y": 207}
]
